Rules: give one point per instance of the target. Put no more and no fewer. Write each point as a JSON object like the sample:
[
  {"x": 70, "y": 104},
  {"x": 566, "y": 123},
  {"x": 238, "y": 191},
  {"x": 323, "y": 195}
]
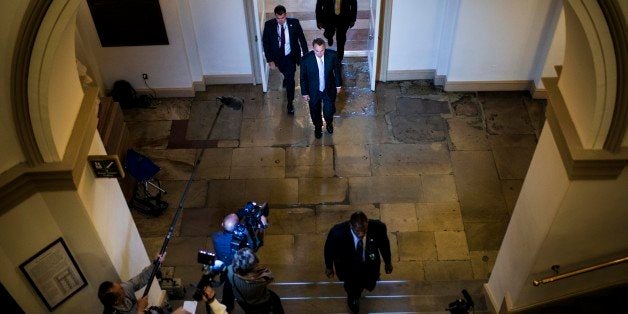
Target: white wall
[
  {"x": 166, "y": 65},
  {"x": 65, "y": 94},
  {"x": 415, "y": 34},
  {"x": 31, "y": 226},
  {"x": 556, "y": 54},
  {"x": 497, "y": 40},
  {"x": 10, "y": 20},
  {"x": 559, "y": 221},
  {"x": 221, "y": 36}
]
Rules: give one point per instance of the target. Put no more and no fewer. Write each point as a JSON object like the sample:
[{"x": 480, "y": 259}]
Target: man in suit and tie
[
  {"x": 320, "y": 82},
  {"x": 283, "y": 41},
  {"x": 353, "y": 249},
  {"x": 336, "y": 16}
]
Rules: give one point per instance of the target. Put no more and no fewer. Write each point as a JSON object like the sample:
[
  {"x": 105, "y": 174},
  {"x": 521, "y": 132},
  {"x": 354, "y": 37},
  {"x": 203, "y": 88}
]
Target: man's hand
[
  {"x": 319, "y": 25},
  {"x": 161, "y": 257},
  {"x": 306, "y": 97},
  {"x": 142, "y": 304},
  {"x": 388, "y": 268},
  {"x": 329, "y": 272},
  {"x": 338, "y": 89},
  {"x": 271, "y": 65}
]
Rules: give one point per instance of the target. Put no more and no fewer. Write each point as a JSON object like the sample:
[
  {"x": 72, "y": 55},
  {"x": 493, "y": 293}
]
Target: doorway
[{"x": 362, "y": 39}]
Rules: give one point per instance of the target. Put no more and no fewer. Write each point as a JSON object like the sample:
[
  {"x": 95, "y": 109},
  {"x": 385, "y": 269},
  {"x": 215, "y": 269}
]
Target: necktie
[
  {"x": 282, "y": 38},
  {"x": 321, "y": 74},
  {"x": 360, "y": 250},
  {"x": 337, "y": 7}
]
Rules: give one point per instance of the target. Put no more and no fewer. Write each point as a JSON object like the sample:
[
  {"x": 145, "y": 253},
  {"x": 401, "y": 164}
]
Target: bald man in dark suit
[{"x": 353, "y": 251}]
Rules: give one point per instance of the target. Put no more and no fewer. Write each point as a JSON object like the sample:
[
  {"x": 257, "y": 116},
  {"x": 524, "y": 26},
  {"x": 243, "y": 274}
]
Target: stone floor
[{"x": 442, "y": 170}]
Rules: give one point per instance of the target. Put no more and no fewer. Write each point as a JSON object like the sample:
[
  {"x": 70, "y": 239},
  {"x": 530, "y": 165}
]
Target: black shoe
[
  {"x": 318, "y": 133},
  {"x": 354, "y": 305},
  {"x": 290, "y": 109},
  {"x": 330, "y": 41},
  {"x": 330, "y": 128}
]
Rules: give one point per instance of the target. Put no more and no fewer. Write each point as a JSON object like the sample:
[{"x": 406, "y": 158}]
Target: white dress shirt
[{"x": 321, "y": 73}]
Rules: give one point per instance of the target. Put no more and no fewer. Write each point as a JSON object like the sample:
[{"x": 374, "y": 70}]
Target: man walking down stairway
[{"x": 353, "y": 248}]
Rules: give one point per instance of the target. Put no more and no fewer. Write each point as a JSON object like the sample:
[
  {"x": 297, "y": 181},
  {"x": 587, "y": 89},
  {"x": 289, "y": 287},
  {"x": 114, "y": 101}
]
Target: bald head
[{"x": 230, "y": 222}]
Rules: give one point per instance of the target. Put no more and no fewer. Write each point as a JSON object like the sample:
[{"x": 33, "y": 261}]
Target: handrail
[{"x": 579, "y": 271}]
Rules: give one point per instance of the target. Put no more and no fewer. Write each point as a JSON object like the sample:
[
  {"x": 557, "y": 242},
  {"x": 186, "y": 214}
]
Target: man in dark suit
[
  {"x": 336, "y": 16},
  {"x": 283, "y": 41},
  {"x": 353, "y": 248},
  {"x": 320, "y": 82}
]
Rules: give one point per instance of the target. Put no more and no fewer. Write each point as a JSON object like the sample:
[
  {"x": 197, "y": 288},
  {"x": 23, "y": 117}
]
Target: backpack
[{"x": 123, "y": 93}]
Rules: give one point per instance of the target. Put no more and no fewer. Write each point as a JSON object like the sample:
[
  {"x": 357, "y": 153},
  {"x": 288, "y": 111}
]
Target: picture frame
[{"x": 54, "y": 274}]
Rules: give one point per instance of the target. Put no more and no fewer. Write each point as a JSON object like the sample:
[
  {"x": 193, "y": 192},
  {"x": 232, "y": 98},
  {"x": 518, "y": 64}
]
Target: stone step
[{"x": 389, "y": 296}]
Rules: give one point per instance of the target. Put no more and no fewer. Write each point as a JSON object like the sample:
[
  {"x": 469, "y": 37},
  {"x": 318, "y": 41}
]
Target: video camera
[
  {"x": 461, "y": 306},
  {"x": 211, "y": 268},
  {"x": 249, "y": 232}
]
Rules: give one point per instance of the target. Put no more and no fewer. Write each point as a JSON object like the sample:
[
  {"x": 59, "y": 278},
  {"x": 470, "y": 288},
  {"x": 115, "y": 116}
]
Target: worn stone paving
[{"x": 442, "y": 170}]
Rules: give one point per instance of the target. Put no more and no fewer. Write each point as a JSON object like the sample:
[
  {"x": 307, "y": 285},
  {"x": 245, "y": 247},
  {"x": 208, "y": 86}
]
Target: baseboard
[
  {"x": 198, "y": 86},
  {"x": 440, "y": 80},
  {"x": 228, "y": 79},
  {"x": 168, "y": 92},
  {"x": 487, "y": 86},
  {"x": 406, "y": 75}
]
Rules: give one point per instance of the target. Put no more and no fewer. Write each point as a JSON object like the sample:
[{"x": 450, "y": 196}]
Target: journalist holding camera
[
  {"x": 242, "y": 229},
  {"x": 250, "y": 282}
]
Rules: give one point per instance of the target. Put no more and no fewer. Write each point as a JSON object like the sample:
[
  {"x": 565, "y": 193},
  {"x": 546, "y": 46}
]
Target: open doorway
[{"x": 362, "y": 38}]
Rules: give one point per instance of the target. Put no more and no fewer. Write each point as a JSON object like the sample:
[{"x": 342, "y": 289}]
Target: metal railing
[{"x": 579, "y": 271}]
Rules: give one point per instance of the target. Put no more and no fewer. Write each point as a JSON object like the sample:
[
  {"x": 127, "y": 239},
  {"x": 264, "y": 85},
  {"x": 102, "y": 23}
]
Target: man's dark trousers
[
  {"x": 340, "y": 27},
  {"x": 287, "y": 67},
  {"x": 328, "y": 110}
]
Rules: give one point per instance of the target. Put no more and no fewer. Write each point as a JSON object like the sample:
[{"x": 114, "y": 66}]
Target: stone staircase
[{"x": 390, "y": 296}]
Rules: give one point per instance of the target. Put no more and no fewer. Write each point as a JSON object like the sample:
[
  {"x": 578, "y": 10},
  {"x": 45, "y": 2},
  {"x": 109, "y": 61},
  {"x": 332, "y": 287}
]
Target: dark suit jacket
[
  {"x": 340, "y": 251},
  {"x": 309, "y": 75},
  {"x": 270, "y": 40},
  {"x": 325, "y": 11}
]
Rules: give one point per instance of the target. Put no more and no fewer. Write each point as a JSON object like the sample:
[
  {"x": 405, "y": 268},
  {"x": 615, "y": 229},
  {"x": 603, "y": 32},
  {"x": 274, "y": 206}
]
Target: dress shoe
[
  {"x": 318, "y": 133},
  {"x": 330, "y": 128},
  {"x": 354, "y": 305},
  {"x": 290, "y": 109}
]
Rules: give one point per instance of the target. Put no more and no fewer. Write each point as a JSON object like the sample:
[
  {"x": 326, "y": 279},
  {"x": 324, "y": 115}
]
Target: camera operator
[
  {"x": 119, "y": 297},
  {"x": 250, "y": 284},
  {"x": 222, "y": 247},
  {"x": 211, "y": 303}
]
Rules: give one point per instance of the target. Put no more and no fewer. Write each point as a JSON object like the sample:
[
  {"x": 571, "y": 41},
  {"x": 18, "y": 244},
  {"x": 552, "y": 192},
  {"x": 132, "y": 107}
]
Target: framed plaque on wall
[{"x": 54, "y": 274}]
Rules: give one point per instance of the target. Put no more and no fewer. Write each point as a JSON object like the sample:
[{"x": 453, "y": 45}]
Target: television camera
[
  {"x": 211, "y": 268},
  {"x": 249, "y": 232}
]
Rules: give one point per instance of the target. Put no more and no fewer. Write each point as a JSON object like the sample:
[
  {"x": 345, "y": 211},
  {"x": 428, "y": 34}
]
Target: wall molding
[
  {"x": 538, "y": 93},
  {"x": 619, "y": 34},
  {"x": 199, "y": 86},
  {"x": 228, "y": 79},
  {"x": 408, "y": 75},
  {"x": 20, "y": 65},
  {"x": 488, "y": 86},
  {"x": 580, "y": 163},
  {"x": 23, "y": 180}
]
